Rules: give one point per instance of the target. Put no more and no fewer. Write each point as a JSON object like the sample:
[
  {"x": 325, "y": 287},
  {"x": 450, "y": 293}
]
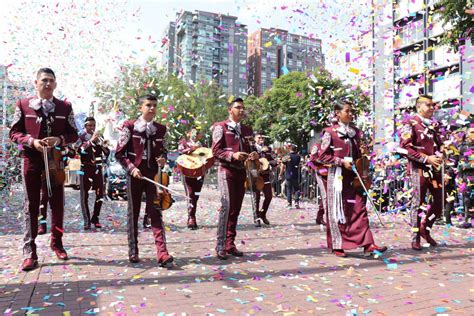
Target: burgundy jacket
[
  {"x": 132, "y": 144},
  {"x": 419, "y": 140},
  {"x": 226, "y": 141},
  {"x": 30, "y": 124},
  {"x": 91, "y": 153},
  {"x": 336, "y": 144}
]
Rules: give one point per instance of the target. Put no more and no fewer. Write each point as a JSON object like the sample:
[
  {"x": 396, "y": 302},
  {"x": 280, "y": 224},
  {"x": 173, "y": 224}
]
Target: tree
[
  {"x": 181, "y": 106},
  {"x": 458, "y": 14},
  {"x": 299, "y": 103}
]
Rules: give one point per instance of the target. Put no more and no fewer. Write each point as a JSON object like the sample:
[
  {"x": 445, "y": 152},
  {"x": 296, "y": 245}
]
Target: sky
[{"x": 85, "y": 41}]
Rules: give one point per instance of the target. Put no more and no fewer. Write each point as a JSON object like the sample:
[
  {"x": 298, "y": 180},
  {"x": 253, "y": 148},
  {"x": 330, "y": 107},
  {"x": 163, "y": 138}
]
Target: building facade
[
  {"x": 168, "y": 44},
  {"x": 411, "y": 60},
  {"x": 210, "y": 46},
  {"x": 272, "y": 53}
]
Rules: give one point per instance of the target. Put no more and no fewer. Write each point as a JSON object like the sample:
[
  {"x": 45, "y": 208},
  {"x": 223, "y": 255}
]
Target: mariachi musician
[
  {"x": 421, "y": 142},
  {"x": 192, "y": 186},
  {"x": 41, "y": 125},
  {"x": 266, "y": 153},
  {"x": 347, "y": 224},
  {"x": 231, "y": 147},
  {"x": 93, "y": 153},
  {"x": 141, "y": 151}
]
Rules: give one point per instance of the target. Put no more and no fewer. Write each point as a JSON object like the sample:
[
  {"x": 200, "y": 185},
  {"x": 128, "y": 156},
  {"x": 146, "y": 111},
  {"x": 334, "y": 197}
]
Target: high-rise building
[
  {"x": 210, "y": 46},
  {"x": 167, "y": 43},
  {"x": 273, "y": 52},
  {"x": 409, "y": 60}
]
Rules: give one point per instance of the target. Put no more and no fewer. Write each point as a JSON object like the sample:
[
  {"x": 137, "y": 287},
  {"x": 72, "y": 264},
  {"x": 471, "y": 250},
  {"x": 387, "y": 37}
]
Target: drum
[{"x": 195, "y": 164}]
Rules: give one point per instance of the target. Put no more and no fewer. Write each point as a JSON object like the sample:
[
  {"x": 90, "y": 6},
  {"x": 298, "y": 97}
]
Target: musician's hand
[
  {"x": 347, "y": 164},
  {"x": 94, "y": 137},
  {"x": 435, "y": 161},
  {"x": 136, "y": 173},
  {"x": 51, "y": 141},
  {"x": 253, "y": 156},
  {"x": 161, "y": 161},
  {"x": 241, "y": 156},
  {"x": 39, "y": 145}
]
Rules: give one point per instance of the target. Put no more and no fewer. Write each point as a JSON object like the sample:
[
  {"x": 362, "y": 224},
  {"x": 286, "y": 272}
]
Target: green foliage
[
  {"x": 455, "y": 13},
  {"x": 299, "y": 103},
  {"x": 181, "y": 106}
]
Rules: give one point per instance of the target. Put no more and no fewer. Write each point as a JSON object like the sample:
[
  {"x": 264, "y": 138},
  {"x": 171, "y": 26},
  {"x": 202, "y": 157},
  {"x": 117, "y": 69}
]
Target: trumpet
[{"x": 100, "y": 139}]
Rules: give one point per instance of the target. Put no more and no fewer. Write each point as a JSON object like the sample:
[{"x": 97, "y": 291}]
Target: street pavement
[{"x": 286, "y": 269}]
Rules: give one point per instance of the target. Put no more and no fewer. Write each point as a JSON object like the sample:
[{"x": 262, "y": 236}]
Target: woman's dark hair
[{"x": 339, "y": 104}]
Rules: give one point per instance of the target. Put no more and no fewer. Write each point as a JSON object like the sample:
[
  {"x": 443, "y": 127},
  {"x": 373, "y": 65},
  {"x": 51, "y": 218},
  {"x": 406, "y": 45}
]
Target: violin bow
[
  {"x": 46, "y": 171},
  {"x": 164, "y": 187},
  {"x": 368, "y": 195}
]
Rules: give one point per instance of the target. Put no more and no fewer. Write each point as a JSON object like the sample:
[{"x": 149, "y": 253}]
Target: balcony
[
  {"x": 405, "y": 8},
  {"x": 409, "y": 34}
]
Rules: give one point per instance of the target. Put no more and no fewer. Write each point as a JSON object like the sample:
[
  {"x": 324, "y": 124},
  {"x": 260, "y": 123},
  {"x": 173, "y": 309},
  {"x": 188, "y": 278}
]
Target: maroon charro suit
[
  {"x": 92, "y": 156},
  {"x": 265, "y": 152},
  {"x": 30, "y": 123},
  {"x": 420, "y": 139},
  {"x": 139, "y": 149},
  {"x": 226, "y": 140},
  {"x": 349, "y": 229},
  {"x": 321, "y": 173},
  {"x": 192, "y": 186}
]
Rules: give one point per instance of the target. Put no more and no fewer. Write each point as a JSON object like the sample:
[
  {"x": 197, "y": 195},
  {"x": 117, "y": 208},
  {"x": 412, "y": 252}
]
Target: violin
[
  {"x": 53, "y": 172},
  {"x": 163, "y": 200},
  {"x": 362, "y": 166},
  {"x": 254, "y": 180}
]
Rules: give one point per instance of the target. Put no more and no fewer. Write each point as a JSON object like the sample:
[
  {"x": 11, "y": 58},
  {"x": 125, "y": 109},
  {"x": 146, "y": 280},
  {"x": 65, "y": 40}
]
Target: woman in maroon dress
[{"x": 346, "y": 221}]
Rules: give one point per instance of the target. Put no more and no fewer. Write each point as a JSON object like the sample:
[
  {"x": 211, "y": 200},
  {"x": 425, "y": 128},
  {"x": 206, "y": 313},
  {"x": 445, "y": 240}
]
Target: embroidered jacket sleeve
[
  {"x": 70, "y": 132},
  {"x": 407, "y": 140},
  {"x": 18, "y": 131},
  {"x": 125, "y": 134},
  {"x": 326, "y": 152},
  {"x": 219, "y": 145}
]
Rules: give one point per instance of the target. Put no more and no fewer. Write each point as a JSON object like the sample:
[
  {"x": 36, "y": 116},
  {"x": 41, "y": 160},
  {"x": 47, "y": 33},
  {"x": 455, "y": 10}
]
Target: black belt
[{"x": 231, "y": 165}]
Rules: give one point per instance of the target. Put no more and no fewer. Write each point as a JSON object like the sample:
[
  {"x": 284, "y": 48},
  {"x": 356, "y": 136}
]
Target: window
[
  {"x": 404, "y": 8},
  {"x": 412, "y": 63},
  {"x": 446, "y": 87},
  {"x": 435, "y": 25},
  {"x": 443, "y": 56},
  {"x": 411, "y": 33}
]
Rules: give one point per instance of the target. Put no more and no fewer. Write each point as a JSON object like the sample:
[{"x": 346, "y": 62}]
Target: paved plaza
[{"x": 286, "y": 269}]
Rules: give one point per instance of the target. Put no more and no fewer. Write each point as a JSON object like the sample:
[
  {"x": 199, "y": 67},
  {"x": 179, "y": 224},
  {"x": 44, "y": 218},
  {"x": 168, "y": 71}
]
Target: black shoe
[
  {"x": 265, "y": 220},
  {"x": 167, "y": 262},
  {"x": 146, "y": 222},
  {"x": 258, "y": 222},
  {"x": 297, "y": 206},
  {"x": 134, "y": 259},
  {"x": 235, "y": 252},
  {"x": 221, "y": 255}
]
